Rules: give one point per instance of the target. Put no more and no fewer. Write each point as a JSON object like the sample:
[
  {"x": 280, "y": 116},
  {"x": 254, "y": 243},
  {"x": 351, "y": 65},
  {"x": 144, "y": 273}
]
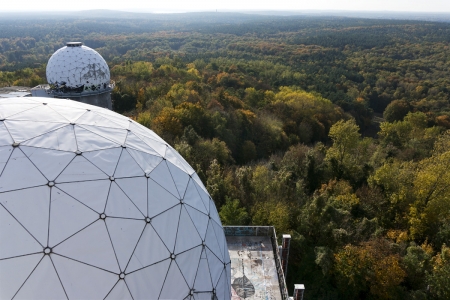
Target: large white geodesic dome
[
  {"x": 95, "y": 206},
  {"x": 77, "y": 68}
]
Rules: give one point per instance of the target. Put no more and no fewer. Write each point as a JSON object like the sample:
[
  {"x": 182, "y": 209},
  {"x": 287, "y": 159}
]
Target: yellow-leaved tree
[{"x": 431, "y": 209}]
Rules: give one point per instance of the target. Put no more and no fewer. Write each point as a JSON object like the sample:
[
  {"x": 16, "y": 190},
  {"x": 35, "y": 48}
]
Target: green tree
[
  {"x": 439, "y": 278},
  {"x": 349, "y": 154},
  {"x": 231, "y": 213},
  {"x": 396, "y": 110}
]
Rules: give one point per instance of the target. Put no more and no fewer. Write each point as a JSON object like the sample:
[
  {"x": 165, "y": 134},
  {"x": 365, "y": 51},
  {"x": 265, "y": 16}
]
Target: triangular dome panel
[
  {"x": 166, "y": 225},
  {"x": 125, "y": 234},
  {"x": 89, "y": 141},
  {"x": 43, "y": 283},
  {"x": 146, "y": 161},
  {"x": 203, "y": 278},
  {"x": 145, "y": 132},
  {"x": 211, "y": 241},
  {"x": 201, "y": 220},
  {"x": 119, "y": 205},
  {"x": 30, "y": 207},
  {"x": 175, "y": 286},
  {"x": 82, "y": 281},
  {"x": 5, "y": 137},
  {"x": 220, "y": 287},
  {"x": 91, "y": 246},
  {"x": 148, "y": 281},
  {"x": 186, "y": 237},
  {"x": 83, "y": 191},
  {"x": 162, "y": 176},
  {"x": 216, "y": 267},
  {"x": 158, "y": 146},
  {"x": 25, "y": 130},
  {"x": 159, "y": 199},
  {"x": 203, "y": 195},
  {"x": 70, "y": 113},
  {"x": 95, "y": 119},
  {"x": 14, "y": 239},
  {"x": 119, "y": 120},
  {"x": 192, "y": 198},
  {"x": 199, "y": 182},
  {"x": 175, "y": 158},
  {"x": 220, "y": 237},
  {"x": 188, "y": 269},
  {"x": 149, "y": 250},
  {"x": 180, "y": 177},
  {"x": 106, "y": 160},
  {"x": 14, "y": 272},
  {"x": 80, "y": 169},
  {"x": 127, "y": 166},
  {"x": 10, "y": 109},
  {"x": 35, "y": 115},
  {"x": 20, "y": 173},
  {"x": 41, "y": 157},
  {"x": 67, "y": 217},
  {"x": 134, "y": 142},
  {"x": 5, "y": 153},
  {"x": 135, "y": 189},
  {"x": 113, "y": 134},
  {"x": 205, "y": 296},
  {"x": 119, "y": 292},
  {"x": 213, "y": 212},
  {"x": 60, "y": 139}
]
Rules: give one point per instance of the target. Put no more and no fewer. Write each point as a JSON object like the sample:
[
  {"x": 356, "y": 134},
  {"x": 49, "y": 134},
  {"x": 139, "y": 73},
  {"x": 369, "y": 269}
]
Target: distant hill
[{"x": 227, "y": 16}]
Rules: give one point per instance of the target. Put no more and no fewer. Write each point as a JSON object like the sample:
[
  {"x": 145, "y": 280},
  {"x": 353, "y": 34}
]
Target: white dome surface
[
  {"x": 78, "y": 67},
  {"x": 95, "y": 206}
]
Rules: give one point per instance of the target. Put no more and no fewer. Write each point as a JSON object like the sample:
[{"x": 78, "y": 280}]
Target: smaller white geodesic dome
[
  {"x": 77, "y": 68},
  {"x": 95, "y": 206}
]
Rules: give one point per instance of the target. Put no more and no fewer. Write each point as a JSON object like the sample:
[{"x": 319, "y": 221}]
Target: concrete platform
[{"x": 254, "y": 272}]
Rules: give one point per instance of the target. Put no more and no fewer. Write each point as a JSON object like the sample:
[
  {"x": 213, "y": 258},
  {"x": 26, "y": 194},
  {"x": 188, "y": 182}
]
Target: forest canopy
[{"x": 332, "y": 129}]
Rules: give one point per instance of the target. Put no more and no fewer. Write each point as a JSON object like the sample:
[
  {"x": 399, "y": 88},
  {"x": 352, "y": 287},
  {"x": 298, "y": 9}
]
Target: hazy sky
[{"x": 203, "y": 5}]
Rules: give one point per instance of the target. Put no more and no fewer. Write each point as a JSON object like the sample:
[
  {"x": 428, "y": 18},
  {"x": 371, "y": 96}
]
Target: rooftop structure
[
  {"x": 15, "y": 91},
  {"x": 79, "y": 73},
  {"x": 256, "y": 268}
]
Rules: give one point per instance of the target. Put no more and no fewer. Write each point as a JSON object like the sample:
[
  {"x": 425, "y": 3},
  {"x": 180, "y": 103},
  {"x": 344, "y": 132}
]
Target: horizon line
[{"x": 170, "y": 11}]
